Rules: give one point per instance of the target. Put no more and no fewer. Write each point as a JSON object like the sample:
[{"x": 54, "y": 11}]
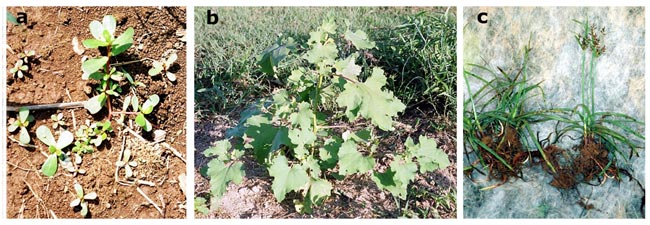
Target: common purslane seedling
[
  {"x": 22, "y": 122},
  {"x": 90, "y": 136},
  {"x": 162, "y": 67},
  {"x": 26, "y": 55},
  {"x": 127, "y": 163},
  {"x": 100, "y": 68},
  {"x": 57, "y": 120},
  {"x": 81, "y": 199},
  {"x": 55, "y": 148},
  {"x": 140, "y": 110},
  {"x": 291, "y": 133},
  {"x": 19, "y": 69}
]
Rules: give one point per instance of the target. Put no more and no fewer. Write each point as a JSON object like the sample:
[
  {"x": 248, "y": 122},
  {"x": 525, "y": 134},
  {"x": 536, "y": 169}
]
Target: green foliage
[
  {"x": 200, "y": 205},
  {"x": 55, "y": 148},
  {"x": 99, "y": 68},
  {"x": 497, "y": 105},
  {"x": 81, "y": 199},
  {"x": 26, "y": 55},
  {"x": 612, "y": 129},
  {"x": 90, "y": 136},
  {"x": 12, "y": 19},
  {"x": 22, "y": 122},
  {"x": 290, "y": 133},
  {"x": 140, "y": 111},
  {"x": 19, "y": 69},
  {"x": 162, "y": 67}
]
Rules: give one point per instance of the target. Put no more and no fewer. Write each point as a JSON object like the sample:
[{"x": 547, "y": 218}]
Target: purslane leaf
[{"x": 92, "y": 65}]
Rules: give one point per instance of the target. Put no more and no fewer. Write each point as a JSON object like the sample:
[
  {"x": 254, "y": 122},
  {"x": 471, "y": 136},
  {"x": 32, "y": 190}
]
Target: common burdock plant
[
  {"x": 296, "y": 134},
  {"x": 81, "y": 199},
  {"x": 19, "y": 69},
  {"x": 162, "y": 67},
  {"x": 55, "y": 148},
  {"x": 22, "y": 122},
  {"x": 100, "y": 68}
]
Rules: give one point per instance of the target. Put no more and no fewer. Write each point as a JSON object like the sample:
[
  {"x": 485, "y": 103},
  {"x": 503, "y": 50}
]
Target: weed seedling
[
  {"x": 22, "y": 122},
  {"x": 19, "y": 69},
  {"x": 100, "y": 68},
  {"x": 57, "y": 120},
  {"x": 90, "y": 136},
  {"x": 162, "y": 67},
  {"x": 26, "y": 55},
  {"x": 127, "y": 163},
  {"x": 81, "y": 199},
  {"x": 140, "y": 110},
  {"x": 55, "y": 148}
]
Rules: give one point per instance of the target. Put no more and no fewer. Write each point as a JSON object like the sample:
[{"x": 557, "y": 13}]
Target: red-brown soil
[{"x": 55, "y": 77}]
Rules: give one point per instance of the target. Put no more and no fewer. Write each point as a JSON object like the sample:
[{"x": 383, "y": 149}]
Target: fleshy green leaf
[
  {"x": 65, "y": 139},
  {"x": 78, "y": 190},
  {"x": 96, "y": 103},
  {"x": 319, "y": 190},
  {"x": 352, "y": 161},
  {"x": 96, "y": 29},
  {"x": 44, "y": 134},
  {"x": 141, "y": 121},
  {"x": 359, "y": 39},
  {"x": 172, "y": 58},
  {"x": 109, "y": 24},
  {"x": 23, "y": 114},
  {"x": 369, "y": 101},
  {"x": 220, "y": 149},
  {"x": 50, "y": 166},
  {"x": 266, "y": 138},
  {"x": 200, "y": 205},
  {"x": 156, "y": 69},
  {"x": 152, "y": 101},
  {"x": 94, "y": 43},
  {"x": 221, "y": 174},
  {"x": 171, "y": 76},
  {"x": 24, "y": 138},
  {"x": 285, "y": 178},
  {"x": 84, "y": 209},
  {"x": 123, "y": 42},
  {"x": 92, "y": 65}
]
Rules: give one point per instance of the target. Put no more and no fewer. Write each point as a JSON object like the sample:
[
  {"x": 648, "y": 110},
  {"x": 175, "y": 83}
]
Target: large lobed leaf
[
  {"x": 369, "y": 101},
  {"x": 286, "y": 178}
]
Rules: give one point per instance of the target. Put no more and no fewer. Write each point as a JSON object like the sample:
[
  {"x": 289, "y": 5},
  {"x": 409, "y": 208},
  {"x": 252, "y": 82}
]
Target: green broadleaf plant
[
  {"x": 19, "y": 69},
  {"x": 81, "y": 199},
  {"x": 22, "y": 122},
  {"x": 100, "y": 68},
  {"x": 162, "y": 67},
  {"x": 290, "y": 133},
  {"x": 55, "y": 148}
]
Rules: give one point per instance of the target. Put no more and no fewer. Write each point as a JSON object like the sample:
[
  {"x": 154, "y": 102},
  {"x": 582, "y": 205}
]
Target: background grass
[{"x": 416, "y": 46}]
